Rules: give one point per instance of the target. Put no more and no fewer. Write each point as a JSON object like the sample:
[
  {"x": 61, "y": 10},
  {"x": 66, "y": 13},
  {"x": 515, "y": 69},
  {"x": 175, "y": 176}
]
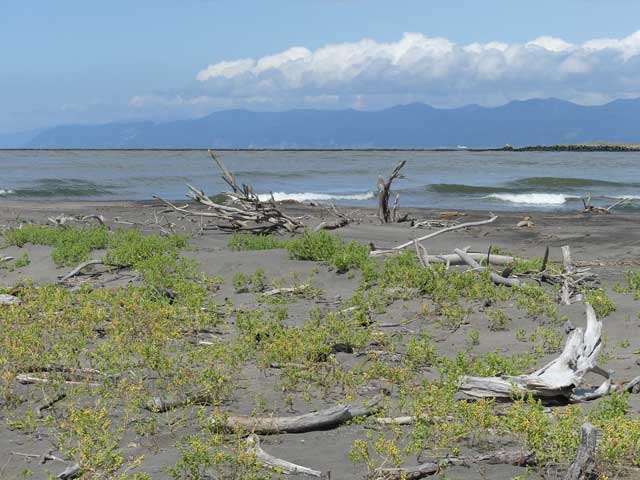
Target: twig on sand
[
  {"x": 79, "y": 269},
  {"x": 376, "y": 253},
  {"x": 505, "y": 457}
]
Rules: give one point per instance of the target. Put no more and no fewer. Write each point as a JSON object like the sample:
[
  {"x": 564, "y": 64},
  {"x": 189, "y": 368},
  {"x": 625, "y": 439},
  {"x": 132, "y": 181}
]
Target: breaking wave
[
  {"x": 310, "y": 196},
  {"x": 533, "y": 198},
  {"x": 6, "y": 192}
]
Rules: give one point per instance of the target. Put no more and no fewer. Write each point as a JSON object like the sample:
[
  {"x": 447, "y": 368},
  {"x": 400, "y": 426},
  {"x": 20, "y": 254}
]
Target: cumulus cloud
[{"x": 370, "y": 74}]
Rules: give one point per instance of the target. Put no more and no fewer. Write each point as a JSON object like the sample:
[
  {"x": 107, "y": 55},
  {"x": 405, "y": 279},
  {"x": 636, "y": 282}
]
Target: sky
[{"x": 79, "y": 61}]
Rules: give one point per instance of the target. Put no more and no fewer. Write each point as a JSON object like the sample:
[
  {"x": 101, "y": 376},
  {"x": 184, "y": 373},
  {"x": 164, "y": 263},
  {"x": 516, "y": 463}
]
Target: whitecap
[
  {"x": 6, "y": 192},
  {"x": 310, "y": 196},
  {"x": 532, "y": 198}
]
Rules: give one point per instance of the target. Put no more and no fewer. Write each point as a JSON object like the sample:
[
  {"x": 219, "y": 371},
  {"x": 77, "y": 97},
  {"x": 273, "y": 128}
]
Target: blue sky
[{"x": 72, "y": 61}]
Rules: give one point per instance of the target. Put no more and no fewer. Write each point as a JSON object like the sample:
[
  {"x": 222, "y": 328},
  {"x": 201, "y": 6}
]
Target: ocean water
[{"x": 458, "y": 179}]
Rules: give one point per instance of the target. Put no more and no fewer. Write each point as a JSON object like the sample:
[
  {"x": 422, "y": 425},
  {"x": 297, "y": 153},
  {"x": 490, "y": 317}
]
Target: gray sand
[{"x": 611, "y": 243}]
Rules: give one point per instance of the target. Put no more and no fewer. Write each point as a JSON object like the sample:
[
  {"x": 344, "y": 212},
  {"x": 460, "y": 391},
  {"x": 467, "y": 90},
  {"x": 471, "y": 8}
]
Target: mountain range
[{"x": 518, "y": 123}]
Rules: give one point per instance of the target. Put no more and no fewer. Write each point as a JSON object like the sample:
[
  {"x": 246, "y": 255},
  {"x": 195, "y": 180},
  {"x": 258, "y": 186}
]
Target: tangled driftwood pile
[{"x": 248, "y": 213}]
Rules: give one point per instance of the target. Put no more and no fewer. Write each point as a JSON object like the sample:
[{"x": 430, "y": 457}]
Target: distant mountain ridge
[{"x": 530, "y": 122}]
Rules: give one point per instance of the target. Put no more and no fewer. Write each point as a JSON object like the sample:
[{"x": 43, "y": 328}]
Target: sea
[{"x": 459, "y": 179}]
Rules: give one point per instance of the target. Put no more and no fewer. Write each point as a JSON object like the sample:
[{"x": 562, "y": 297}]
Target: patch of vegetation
[
  {"x": 244, "y": 283},
  {"x": 248, "y": 241},
  {"x": 601, "y": 303},
  {"x": 498, "y": 320},
  {"x": 70, "y": 245},
  {"x": 631, "y": 285},
  {"x": 333, "y": 251}
]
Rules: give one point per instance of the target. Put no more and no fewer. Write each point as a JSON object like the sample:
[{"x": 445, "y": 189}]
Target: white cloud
[{"x": 371, "y": 74}]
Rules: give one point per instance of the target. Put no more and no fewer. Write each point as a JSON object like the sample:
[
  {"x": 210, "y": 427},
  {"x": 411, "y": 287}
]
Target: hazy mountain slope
[{"x": 530, "y": 122}]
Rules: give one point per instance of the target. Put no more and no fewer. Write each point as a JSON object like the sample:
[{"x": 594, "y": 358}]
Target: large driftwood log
[
  {"x": 506, "y": 457},
  {"x": 583, "y": 466},
  {"x": 321, "y": 420},
  {"x": 410, "y": 243},
  {"x": 558, "y": 379},
  {"x": 268, "y": 460},
  {"x": 454, "y": 259},
  {"x": 495, "y": 278},
  {"x": 384, "y": 190}
]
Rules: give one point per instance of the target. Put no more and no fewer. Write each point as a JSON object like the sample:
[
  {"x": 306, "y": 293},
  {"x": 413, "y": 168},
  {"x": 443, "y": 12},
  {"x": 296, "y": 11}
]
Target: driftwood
[
  {"x": 342, "y": 220},
  {"x": 73, "y": 471},
  {"x": 410, "y": 243},
  {"x": 560, "y": 378},
  {"x": 571, "y": 278},
  {"x": 48, "y": 404},
  {"x": 161, "y": 405},
  {"x": 6, "y": 299},
  {"x": 506, "y": 457},
  {"x": 288, "y": 468},
  {"x": 384, "y": 190},
  {"x": 249, "y": 214},
  {"x": 286, "y": 290},
  {"x": 79, "y": 268},
  {"x": 435, "y": 224},
  {"x": 71, "y": 376},
  {"x": 588, "y": 208},
  {"x": 495, "y": 278},
  {"x": 321, "y": 420},
  {"x": 583, "y": 466},
  {"x": 339, "y": 223},
  {"x": 454, "y": 259}
]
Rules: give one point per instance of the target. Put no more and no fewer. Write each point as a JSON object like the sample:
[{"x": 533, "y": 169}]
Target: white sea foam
[
  {"x": 6, "y": 192},
  {"x": 533, "y": 198},
  {"x": 309, "y": 196},
  {"x": 626, "y": 197}
]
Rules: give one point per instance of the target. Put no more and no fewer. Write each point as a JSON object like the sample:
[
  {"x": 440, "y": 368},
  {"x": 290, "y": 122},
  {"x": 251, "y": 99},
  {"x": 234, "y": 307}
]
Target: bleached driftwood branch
[
  {"x": 384, "y": 190},
  {"x": 505, "y": 457},
  {"x": 454, "y": 259},
  {"x": 268, "y": 460},
  {"x": 342, "y": 220},
  {"x": 163, "y": 404},
  {"x": 495, "y": 278},
  {"x": 560, "y": 378},
  {"x": 79, "y": 269},
  {"x": 286, "y": 290},
  {"x": 376, "y": 253},
  {"x": 588, "y": 208}
]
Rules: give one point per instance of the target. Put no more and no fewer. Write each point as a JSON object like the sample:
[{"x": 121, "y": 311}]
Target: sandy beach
[{"x": 608, "y": 244}]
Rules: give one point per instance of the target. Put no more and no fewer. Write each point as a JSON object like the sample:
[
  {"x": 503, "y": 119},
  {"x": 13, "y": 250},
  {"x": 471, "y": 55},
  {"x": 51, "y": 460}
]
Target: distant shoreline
[{"x": 529, "y": 148}]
